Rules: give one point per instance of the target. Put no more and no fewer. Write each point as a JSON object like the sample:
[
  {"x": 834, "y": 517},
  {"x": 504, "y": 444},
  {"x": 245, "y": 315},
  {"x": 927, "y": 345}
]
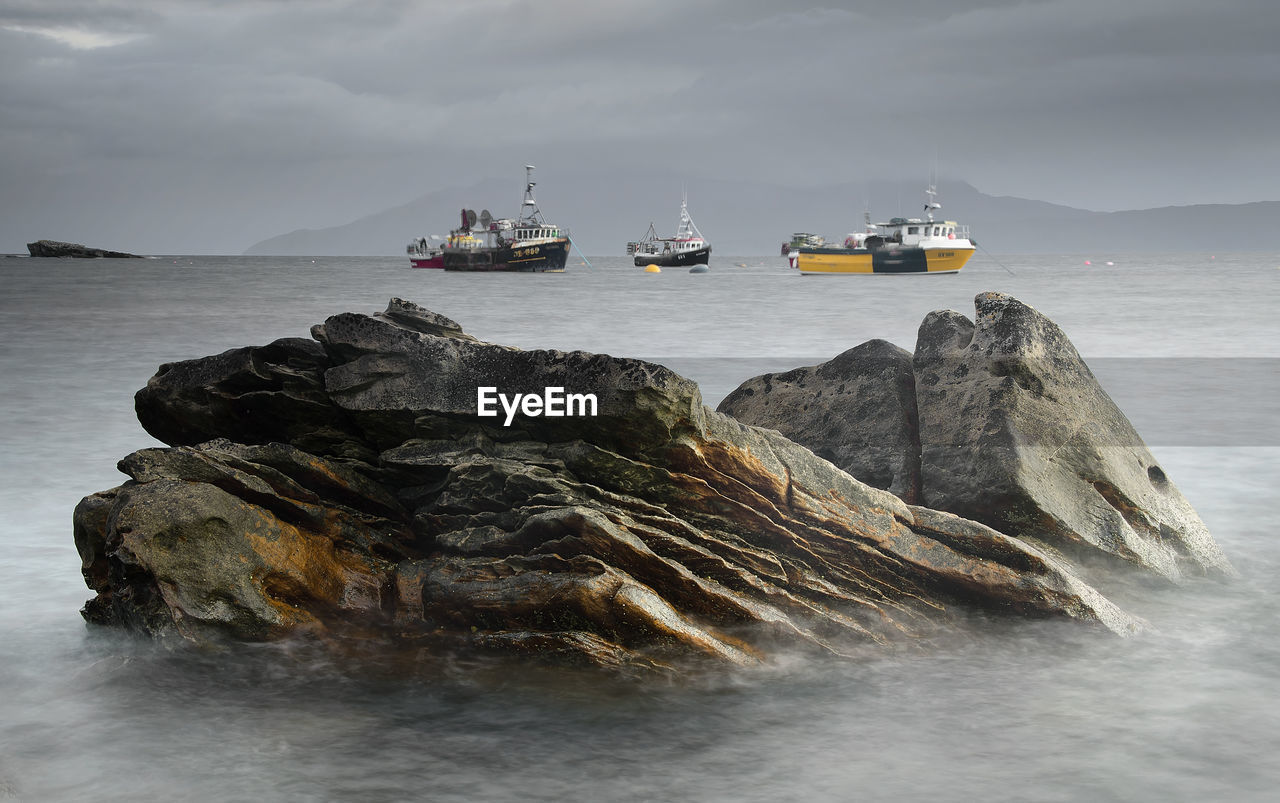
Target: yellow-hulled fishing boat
[{"x": 902, "y": 245}]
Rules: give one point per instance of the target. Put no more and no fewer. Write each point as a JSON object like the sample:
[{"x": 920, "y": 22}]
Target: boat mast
[
  {"x": 686, "y": 230},
  {"x": 530, "y": 215},
  {"x": 932, "y": 192},
  {"x": 932, "y": 203}
]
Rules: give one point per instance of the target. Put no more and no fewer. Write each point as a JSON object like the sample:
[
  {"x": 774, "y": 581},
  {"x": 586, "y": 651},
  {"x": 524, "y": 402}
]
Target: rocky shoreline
[{"x": 344, "y": 489}]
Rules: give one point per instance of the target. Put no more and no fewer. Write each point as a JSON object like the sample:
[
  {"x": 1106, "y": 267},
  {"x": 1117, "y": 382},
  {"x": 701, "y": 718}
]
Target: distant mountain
[
  {"x": 387, "y": 232},
  {"x": 603, "y": 212}
]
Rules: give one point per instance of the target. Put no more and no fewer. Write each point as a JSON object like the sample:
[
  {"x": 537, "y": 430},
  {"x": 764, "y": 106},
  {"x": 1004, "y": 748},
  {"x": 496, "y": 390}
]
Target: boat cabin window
[{"x": 913, "y": 229}]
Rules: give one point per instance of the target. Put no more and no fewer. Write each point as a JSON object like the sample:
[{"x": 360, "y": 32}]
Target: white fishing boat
[{"x": 687, "y": 247}]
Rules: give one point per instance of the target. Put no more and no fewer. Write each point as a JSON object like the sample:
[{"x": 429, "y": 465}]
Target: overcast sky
[{"x": 194, "y": 126}]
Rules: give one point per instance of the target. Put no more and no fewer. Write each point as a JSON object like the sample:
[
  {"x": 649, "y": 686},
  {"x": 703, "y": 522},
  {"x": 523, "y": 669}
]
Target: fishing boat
[
  {"x": 687, "y": 247},
  {"x": 802, "y": 239},
  {"x": 424, "y": 253},
  {"x": 902, "y": 245},
  {"x": 526, "y": 244}
]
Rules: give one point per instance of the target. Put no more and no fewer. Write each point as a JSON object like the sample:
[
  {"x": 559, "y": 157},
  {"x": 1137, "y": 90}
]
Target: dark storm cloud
[{"x": 208, "y": 125}]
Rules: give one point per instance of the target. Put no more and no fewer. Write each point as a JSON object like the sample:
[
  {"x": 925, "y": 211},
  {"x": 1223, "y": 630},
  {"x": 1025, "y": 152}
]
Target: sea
[{"x": 1187, "y": 344}]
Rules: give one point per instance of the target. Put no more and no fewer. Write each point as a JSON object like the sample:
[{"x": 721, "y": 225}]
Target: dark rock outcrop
[
  {"x": 349, "y": 490},
  {"x": 1012, "y": 430},
  {"x": 53, "y": 248},
  {"x": 857, "y": 410}
]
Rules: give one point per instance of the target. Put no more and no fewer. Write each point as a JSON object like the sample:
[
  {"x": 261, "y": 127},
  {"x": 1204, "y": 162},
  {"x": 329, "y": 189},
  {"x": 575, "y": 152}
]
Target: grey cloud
[
  {"x": 113, "y": 17},
  {"x": 283, "y": 114}
]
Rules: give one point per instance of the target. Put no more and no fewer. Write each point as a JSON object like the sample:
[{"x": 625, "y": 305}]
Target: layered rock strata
[{"x": 345, "y": 488}]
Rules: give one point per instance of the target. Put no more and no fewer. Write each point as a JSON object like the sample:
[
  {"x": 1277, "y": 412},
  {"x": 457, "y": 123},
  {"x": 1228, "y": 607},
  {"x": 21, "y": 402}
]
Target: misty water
[{"x": 1188, "y": 344}]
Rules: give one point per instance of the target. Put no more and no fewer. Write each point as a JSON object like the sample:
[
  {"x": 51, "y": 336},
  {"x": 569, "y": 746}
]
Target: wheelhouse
[{"x": 919, "y": 232}]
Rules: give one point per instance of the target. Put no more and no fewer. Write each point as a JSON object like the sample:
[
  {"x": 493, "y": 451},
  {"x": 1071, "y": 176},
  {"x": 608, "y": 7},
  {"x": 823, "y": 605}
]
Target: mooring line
[
  {"x": 579, "y": 250},
  {"x": 998, "y": 262}
]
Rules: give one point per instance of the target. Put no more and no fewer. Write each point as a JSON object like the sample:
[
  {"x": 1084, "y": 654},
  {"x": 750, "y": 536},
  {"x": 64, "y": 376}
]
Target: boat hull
[
  {"x": 699, "y": 256},
  {"x": 537, "y": 258},
  {"x": 436, "y": 261},
  {"x": 883, "y": 260}
]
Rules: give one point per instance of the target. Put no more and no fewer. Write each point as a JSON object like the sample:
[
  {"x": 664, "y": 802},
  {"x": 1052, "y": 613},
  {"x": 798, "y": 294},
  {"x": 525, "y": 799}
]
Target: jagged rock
[
  {"x": 857, "y": 410},
  {"x": 53, "y": 248},
  {"x": 251, "y": 395},
  {"x": 650, "y": 532},
  {"x": 253, "y": 542},
  {"x": 411, "y": 316},
  {"x": 1000, "y": 422},
  {"x": 1017, "y": 433}
]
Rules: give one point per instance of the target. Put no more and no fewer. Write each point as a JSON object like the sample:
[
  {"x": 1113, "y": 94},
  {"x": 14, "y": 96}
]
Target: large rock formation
[
  {"x": 53, "y": 248},
  {"x": 347, "y": 489},
  {"x": 1010, "y": 428}
]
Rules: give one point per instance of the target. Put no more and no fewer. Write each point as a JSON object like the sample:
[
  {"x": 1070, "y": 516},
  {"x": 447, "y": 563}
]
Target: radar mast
[{"x": 530, "y": 215}]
